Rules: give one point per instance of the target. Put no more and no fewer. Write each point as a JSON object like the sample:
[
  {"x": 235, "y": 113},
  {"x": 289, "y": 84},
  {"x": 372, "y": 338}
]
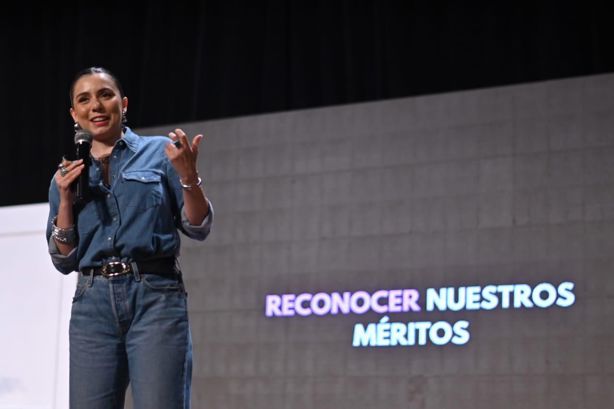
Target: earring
[
  {"x": 76, "y": 126},
  {"x": 124, "y": 118}
]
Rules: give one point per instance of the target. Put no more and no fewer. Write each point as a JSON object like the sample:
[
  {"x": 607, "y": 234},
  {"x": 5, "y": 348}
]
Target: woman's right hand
[
  {"x": 67, "y": 173},
  {"x": 63, "y": 179}
]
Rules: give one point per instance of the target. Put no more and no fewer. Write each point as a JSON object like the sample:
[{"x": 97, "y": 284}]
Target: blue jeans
[{"x": 130, "y": 329}]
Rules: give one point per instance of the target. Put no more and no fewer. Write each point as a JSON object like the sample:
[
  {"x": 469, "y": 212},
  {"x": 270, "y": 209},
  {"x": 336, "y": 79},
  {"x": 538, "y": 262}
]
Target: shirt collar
[{"x": 131, "y": 139}]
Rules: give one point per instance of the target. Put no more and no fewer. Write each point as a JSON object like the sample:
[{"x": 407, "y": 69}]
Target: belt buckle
[{"x": 115, "y": 268}]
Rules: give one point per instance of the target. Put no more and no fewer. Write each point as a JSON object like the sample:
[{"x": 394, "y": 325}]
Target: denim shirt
[{"x": 137, "y": 217}]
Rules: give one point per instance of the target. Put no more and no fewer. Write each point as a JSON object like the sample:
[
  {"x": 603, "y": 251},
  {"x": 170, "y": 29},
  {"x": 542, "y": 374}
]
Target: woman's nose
[{"x": 97, "y": 105}]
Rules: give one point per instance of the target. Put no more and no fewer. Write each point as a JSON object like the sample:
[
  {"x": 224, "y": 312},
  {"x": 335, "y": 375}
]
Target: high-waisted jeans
[{"x": 130, "y": 329}]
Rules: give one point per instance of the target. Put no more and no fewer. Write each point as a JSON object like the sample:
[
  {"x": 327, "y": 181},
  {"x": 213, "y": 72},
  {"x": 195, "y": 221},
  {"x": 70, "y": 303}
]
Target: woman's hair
[{"x": 94, "y": 70}]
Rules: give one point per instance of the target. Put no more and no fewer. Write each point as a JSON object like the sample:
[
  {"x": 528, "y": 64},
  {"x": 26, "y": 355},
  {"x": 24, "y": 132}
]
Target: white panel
[{"x": 35, "y": 303}]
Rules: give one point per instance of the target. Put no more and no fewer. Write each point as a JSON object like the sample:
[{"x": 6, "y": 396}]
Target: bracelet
[
  {"x": 64, "y": 236},
  {"x": 198, "y": 183}
]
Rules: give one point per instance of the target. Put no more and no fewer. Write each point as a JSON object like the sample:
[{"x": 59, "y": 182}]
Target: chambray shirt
[{"x": 137, "y": 217}]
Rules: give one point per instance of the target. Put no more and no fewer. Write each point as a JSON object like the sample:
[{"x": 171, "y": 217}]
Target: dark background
[{"x": 184, "y": 62}]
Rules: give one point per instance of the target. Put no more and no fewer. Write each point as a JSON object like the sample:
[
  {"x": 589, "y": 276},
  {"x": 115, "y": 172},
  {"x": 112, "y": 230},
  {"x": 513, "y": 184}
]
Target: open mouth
[{"x": 100, "y": 121}]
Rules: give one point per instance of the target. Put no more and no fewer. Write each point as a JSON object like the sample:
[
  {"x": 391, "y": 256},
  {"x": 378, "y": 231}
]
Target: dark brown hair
[{"x": 90, "y": 71}]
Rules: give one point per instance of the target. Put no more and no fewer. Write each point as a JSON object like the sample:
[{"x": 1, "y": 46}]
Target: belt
[{"x": 161, "y": 266}]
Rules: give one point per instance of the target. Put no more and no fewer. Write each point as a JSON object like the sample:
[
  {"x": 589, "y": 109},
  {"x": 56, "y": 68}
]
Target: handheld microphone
[{"x": 83, "y": 144}]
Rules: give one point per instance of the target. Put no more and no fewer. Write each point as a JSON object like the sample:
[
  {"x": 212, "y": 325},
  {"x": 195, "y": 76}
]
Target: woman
[{"x": 129, "y": 316}]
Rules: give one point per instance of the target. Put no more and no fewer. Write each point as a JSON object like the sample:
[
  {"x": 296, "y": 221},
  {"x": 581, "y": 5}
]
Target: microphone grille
[{"x": 83, "y": 136}]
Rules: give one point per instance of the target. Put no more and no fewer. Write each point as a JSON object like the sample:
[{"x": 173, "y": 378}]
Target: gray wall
[{"x": 505, "y": 185}]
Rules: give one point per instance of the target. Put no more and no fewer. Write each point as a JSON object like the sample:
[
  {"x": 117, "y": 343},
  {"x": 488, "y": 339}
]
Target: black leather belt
[{"x": 162, "y": 266}]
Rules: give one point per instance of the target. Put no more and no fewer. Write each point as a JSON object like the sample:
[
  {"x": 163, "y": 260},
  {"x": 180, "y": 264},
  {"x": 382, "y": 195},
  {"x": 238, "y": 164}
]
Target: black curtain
[{"x": 185, "y": 61}]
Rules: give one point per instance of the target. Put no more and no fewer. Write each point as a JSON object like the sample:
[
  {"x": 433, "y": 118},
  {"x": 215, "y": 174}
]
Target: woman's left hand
[{"x": 183, "y": 155}]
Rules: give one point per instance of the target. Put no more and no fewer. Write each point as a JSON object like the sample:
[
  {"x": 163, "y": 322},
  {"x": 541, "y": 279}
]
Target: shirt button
[
  {"x": 108, "y": 238},
  {"x": 109, "y": 195}
]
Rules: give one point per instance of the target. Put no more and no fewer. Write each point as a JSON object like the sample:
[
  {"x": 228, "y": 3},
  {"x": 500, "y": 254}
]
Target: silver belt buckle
[{"x": 115, "y": 268}]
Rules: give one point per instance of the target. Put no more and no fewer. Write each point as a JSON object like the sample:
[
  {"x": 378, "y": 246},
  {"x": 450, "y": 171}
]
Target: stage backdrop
[
  {"x": 35, "y": 305},
  {"x": 445, "y": 251}
]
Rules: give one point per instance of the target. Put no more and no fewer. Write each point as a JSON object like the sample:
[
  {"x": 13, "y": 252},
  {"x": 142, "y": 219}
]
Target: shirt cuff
[
  {"x": 65, "y": 264},
  {"x": 197, "y": 232}
]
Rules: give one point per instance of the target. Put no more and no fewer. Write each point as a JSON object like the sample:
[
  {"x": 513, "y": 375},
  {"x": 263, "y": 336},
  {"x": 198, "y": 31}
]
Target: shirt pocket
[{"x": 143, "y": 188}]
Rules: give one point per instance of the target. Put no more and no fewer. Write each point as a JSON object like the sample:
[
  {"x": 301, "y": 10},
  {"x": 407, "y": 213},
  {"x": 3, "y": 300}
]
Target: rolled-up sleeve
[
  {"x": 197, "y": 232},
  {"x": 65, "y": 264}
]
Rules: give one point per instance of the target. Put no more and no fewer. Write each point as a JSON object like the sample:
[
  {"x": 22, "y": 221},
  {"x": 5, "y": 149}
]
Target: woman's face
[{"x": 97, "y": 106}]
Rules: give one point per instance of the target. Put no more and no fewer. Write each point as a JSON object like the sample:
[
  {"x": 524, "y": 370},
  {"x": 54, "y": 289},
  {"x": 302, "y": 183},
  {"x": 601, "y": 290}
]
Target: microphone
[{"x": 83, "y": 144}]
